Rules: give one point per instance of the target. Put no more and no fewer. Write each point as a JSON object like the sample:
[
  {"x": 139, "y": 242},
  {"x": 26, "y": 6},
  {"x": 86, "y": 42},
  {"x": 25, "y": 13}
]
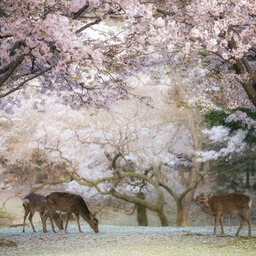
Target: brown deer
[
  {"x": 37, "y": 203},
  {"x": 69, "y": 203},
  {"x": 233, "y": 203}
]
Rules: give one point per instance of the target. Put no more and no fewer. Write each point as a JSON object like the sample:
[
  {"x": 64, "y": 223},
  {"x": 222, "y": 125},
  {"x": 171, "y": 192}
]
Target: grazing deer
[
  {"x": 37, "y": 203},
  {"x": 233, "y": 203},
  {"x": 69, "y": 203}
]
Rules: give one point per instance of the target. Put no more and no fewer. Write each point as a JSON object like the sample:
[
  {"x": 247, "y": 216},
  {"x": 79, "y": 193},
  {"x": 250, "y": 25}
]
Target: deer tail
[
  {"x": 250, "y": 204},
  {"x": 25, "y": 201}
]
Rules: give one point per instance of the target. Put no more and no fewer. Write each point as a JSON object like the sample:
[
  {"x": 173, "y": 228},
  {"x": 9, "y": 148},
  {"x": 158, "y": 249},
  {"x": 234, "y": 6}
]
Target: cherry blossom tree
[
  {"x": 82, "y": 53},
  {"x": 44, "y": 39},
  {"x": 52, "y": 41},
  {"x": 225, "y": 29},
  {"x": 120, "y": 153}
]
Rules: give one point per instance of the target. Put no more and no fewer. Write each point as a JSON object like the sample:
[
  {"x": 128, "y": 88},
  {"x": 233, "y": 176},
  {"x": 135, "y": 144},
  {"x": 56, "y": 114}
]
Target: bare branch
[
  {"x": 165, "y": 13},
  {"x": 80, "y": 11},
  {"x": 11, "y": 69},
  {"x": 25, "y": 81},
  {"x": 169, "y": 190},
  {"x": 98, "y": 20},
  {"x": 35, "y": 189},
  {"x": 183, "y": 194}
]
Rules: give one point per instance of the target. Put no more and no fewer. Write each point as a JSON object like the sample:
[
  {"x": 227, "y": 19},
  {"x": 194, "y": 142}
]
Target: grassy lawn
[{"x": 127, "y": 241}]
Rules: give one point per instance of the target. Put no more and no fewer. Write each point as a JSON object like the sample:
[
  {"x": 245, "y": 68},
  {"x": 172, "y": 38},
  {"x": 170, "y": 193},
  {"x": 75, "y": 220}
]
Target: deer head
[{"x": 94, "y": 222}]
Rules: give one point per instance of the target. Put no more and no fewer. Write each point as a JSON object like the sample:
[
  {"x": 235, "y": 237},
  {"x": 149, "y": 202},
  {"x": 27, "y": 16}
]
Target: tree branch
[
  {"x": 21, "y": 84},
  {"x": 165, "y": 13},
  {"x": 35, "y": 189},
  {"x": 183, "y": 194},
  {"x": 249, "y": 69},
  {"x": 98, "y": 20},
  {"x": 136, "y": 200},
  {"x": 11, "y": 69},
  {"x": 80, "y": 11},
  {"x": 169, "y": 190}
]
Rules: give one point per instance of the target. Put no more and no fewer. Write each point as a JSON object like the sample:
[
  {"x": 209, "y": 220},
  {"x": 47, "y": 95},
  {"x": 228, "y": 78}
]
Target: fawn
[
  {"x": 69, "y": 203},
  {"x": 36, "y": 202},
  {"x": 233, "y": 203}
]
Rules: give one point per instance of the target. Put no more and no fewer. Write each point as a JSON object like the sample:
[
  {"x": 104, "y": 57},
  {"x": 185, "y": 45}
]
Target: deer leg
[
  {"x": 241, "y": 218},
  {"x": 78, "y": 223},
  {"x": 68, "y": 217},
  {"x": 25, "y": 217},
  {"x": 249, "y": 223},
  {"x": 45, "y": 216},
  {"x": 41, "y": 216},
  {"x": 51, "y": 217},
  {"x": 217, "y": 216},
  {"x": 30, "y": 219},
  {"x": 221, "y": 224}
]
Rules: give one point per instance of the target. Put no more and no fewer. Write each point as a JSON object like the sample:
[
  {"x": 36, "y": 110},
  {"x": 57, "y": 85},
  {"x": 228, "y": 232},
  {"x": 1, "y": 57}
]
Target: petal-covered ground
[{"x": 127, "y": 241}]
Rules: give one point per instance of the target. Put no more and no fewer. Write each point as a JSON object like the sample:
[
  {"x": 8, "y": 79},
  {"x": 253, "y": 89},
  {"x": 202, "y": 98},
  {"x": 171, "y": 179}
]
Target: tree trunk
[
  {"x": 249, "y": 86},
  {"x": 185, "y": 209},
  {"x": 242, "y": 67},
  {"x": 247, "y": 179},
  {"x": 162, "y": 217},
  {"x": 185, "y": 202},
  {"x": 142, "y": 218},
  {"x": 179, "y": 217}
]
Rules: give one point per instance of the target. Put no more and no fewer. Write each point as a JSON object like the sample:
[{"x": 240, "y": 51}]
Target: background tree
[{"x": 236, "y": 174}]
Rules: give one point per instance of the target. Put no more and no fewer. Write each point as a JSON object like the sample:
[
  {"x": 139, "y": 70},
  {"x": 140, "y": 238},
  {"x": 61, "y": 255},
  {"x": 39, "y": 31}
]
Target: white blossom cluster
[
  {"x": 217, "y": 133},
  {"x": 234, "y": 143},
  {"x": 241, "y": 116}
]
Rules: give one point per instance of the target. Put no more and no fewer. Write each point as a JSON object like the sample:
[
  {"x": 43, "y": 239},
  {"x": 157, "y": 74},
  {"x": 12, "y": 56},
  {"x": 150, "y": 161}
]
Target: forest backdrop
[{"x": 138, "y": 100}]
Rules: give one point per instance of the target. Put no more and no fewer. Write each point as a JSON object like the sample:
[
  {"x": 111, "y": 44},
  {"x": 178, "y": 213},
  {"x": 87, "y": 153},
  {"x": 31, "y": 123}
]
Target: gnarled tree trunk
[
  {"x": 162, "y": 217},
  {"x": 142, "y": 218}
]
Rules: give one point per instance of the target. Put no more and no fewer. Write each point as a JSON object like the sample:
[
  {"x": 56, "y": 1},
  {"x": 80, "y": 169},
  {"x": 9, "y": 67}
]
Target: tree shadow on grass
[{"x": 7, "y": 243}]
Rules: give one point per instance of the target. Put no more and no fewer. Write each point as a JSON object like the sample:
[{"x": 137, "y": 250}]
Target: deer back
[
  {"x": 229, "y": 203},
  {"x": 225, "y": 203},
  {"x": 35, "y": 201},
  {"x": 67, "y": 202}
]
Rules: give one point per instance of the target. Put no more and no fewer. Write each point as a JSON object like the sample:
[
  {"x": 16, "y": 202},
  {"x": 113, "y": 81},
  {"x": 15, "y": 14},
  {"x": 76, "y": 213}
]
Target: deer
[
  {"x": 233, "y": 203},
  {"x": 69, "y": 203},
  {"x": 37, "y": 203}
]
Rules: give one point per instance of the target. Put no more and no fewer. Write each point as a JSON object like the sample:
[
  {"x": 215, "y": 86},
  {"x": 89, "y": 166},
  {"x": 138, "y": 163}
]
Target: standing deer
[
  {"x": 233, "y": 203},
  {"x": 69, "y": 203},
  {"x": 36, "y": 202}
]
